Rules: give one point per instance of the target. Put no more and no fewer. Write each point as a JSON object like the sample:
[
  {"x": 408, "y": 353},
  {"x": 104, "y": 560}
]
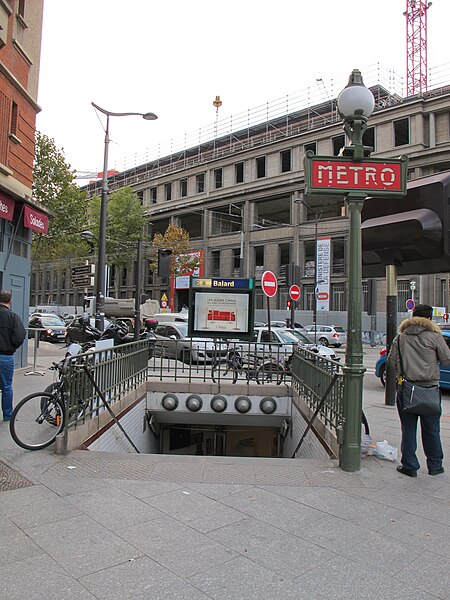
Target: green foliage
[
  {"x": 125, "y": 219},
  {"x": 53, "y": 186},
  {"x": 182, "y": 260}
]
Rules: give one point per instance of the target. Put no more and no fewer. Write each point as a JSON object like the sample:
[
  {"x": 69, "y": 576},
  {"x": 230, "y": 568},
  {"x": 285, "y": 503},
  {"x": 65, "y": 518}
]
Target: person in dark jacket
[
  {"x": 12, "y": 335},
  {"x": 422, "y": 348}
]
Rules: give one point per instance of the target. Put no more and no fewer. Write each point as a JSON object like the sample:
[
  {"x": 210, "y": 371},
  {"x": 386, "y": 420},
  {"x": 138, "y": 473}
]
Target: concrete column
[{"x": 432, "y": 132}]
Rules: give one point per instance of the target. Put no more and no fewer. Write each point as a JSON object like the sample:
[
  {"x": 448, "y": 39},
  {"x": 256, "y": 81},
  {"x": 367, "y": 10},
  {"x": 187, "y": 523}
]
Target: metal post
[
  {"x": 391, "y": 330},
  {"x": 354, "y": 369},
  {"x": 315, "y": 280},
  {"x": 137, "y": 299},
  {"x": 100, "y": 277}
]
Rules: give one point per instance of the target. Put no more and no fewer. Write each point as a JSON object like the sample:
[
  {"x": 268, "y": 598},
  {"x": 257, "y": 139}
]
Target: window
[
  {"x": 338, "y": 249},
  {"x": 239, "y": 172},
  {"x": 200, "y": 183},
  {"x": 338, "y": 296},
  {"x": 218, "y": 178},
  {"x": 124, "y": 277},
  {"x": 403, "y": 294},
  {"x": 260, "y": 167},
  {"x": 308, "y": 297},
  {"x": 338, "y": 143},
  {"x": 286, "y": 161},
  {"x": 215, "y": 263},
  {"x": 369, "y": 137},
  {"x": 236, "y": 262},
  {"x": 311, "y": 146},
  {"x": 153, "y": 195},
  {"x": 183, "y": 187},
  {"x": 259, "y": 261},
  {"x": 140, "y": 195},
  {"x": 14, "y": 118},
  {"x": 168, "y": 191},
  {"x": 401, "y": 132}
]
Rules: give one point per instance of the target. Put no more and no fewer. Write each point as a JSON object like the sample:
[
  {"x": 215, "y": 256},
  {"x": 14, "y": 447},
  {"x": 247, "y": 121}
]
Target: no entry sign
[
  {"x": 269, "y": 284},
  {"x": 294, "y": 292}
]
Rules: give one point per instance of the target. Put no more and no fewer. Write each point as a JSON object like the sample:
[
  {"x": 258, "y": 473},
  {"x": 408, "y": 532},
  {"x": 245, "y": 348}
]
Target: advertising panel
[
  {"x": 323, "y": 257},
  {"x": 221, "y": 307}
]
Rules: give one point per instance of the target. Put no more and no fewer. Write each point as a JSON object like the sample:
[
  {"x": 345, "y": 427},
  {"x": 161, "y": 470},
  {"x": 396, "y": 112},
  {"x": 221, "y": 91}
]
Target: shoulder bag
[{"x": 417, "y": 399}]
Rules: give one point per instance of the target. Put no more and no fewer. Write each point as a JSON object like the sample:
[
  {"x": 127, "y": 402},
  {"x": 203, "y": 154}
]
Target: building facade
[
  {"x": 241, "y": 197},
  {"x": 20, "y": 44}
]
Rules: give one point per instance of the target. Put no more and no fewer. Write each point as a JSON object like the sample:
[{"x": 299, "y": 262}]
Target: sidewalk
[{"x": 105, "y": 526}]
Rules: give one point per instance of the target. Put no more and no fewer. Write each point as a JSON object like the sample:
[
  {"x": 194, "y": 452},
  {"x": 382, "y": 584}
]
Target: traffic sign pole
[
  {"x": 269, "y": 286},
  {"x": 294, "y": 293}
]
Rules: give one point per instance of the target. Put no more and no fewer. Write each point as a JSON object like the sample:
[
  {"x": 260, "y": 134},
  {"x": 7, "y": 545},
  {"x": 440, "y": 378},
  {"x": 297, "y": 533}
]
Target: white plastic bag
[{"x": 377, "y": 449}]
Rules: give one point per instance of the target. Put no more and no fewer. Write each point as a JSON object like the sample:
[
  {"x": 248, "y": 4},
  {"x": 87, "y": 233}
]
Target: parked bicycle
[
  {"x": 251, "y": 367},
  {"x": 40, "y": 417}
]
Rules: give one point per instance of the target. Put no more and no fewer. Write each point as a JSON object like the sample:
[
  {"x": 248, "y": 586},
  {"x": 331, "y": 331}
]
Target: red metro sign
[{"x": 328, "y": 175}]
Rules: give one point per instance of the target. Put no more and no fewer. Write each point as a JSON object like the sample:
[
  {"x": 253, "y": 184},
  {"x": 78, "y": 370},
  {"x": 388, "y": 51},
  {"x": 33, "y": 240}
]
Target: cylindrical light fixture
[
  {"x": 219, "y": 403},
  {"x": 194, "y": 403},
  {"x": 268, "y": 405},
  {"x": 242, "y": 404},
  {"x": 169, "y": 402}
]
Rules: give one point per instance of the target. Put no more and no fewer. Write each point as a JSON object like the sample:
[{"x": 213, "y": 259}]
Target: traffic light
[
  {"x": 288, "y": 304},
  {"x": 293, "y": 275},
  {"x": 411, "y": 232},
  {"x": 164, "y": 264}
]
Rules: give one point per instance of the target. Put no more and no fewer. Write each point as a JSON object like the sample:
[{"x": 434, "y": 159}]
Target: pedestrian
[
  {"x": 12, "y": 335},
  {"x": 422, "y": 348}
]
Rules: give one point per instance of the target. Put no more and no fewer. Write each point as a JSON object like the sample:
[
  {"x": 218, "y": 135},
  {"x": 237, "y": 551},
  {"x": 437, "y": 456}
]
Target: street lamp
[
  {"x": 101, "y": 262},
  {"x": 355, "y": 105}
]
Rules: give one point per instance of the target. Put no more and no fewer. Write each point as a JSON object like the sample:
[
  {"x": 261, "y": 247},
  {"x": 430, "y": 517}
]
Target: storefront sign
[
  {"x": 6, "y": 207},
  {"x": 35, "y": 220}
]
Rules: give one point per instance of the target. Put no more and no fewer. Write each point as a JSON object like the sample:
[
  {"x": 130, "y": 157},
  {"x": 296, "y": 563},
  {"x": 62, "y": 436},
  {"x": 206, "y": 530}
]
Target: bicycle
[
  {"x": 40, "y": 417},
  {"x": 252, "y": 367}
]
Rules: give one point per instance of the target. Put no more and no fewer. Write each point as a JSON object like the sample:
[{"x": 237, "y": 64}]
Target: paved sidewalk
[{"x": 105, "y": 526}]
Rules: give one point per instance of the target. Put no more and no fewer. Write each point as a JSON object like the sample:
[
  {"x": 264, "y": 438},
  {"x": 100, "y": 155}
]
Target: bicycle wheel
[
  {"x": 270, "y": 373},
  {"x": 37, "y": 420},
  {"x": 220, "y": 372}
]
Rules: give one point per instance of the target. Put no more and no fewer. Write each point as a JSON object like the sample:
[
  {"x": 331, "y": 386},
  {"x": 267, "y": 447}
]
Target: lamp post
[
  {"x": 101, "y": 262},
  {"x": 355, "y": 105}
]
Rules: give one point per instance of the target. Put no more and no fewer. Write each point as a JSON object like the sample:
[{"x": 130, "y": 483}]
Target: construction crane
[{"x": 416, "y": 46}]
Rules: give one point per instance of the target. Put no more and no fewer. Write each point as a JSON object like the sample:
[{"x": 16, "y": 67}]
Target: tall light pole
[
  {"x": 355, "y": 105},
  {"x": 101, "y": 262}
]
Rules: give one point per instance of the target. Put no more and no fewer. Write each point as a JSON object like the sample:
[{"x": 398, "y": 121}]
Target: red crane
[{"x": 416, "y": 46}]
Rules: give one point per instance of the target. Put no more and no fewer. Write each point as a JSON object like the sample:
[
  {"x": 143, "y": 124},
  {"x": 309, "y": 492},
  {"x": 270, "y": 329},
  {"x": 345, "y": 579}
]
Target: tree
[
  {"x": 125, "y": 220},
  {"x": 183, "y": 260},
  {"x": 53, "y": 186}
]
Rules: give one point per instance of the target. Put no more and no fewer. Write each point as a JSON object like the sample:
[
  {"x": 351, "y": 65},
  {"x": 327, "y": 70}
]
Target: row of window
[{"x": 401, "y": 138}]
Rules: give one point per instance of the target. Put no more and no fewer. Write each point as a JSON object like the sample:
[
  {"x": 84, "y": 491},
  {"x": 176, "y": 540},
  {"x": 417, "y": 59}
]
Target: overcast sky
[{"x": 173, "y": 58}]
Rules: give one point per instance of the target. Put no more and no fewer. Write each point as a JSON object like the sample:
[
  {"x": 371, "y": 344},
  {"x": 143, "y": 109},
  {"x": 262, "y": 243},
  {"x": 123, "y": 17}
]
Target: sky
[{"x": 173, "y": 58}]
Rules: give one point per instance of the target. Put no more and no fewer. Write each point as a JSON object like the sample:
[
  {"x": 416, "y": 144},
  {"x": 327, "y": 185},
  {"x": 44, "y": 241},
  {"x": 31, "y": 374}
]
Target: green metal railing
[
  {"x": 96, "y": 379},
  {"x": 314, "y": 377}
]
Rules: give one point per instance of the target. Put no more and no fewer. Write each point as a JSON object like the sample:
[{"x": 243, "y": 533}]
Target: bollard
[{"x": 36, "y": 345}]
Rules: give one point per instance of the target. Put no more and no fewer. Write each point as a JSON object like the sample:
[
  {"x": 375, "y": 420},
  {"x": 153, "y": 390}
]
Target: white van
[{"x": 181, "y": 317}]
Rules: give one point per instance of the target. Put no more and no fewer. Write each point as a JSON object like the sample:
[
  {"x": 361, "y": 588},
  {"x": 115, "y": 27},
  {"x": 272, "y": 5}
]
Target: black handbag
[{"x": 417, "y": 399}]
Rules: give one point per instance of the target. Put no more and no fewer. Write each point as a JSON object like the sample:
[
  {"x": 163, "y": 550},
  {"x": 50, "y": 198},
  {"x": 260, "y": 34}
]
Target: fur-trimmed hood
[{"x": 417, "y": 325}]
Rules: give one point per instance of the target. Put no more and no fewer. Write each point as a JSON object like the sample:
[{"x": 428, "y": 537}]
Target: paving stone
[
  {"x": 82, "y": 546},
  {"x": 193, "y": 509},
  {"x": 38, "y": 578},
  {"x": 421, "y": 533},
  {"x": 31, "y": 506},
  {"x": 177, "y": 547},
  {"x": 113, "y": 508},
  {"x": 14, "y": 543},
  {"x": 429, "y": 573},
  {"x": 216, "y": 490},
  {"x": 142, "y": 579},
  {"x": 144, "y": 489},
  {"x": 219, "y": 472},
  {"x": 261, "y": 543}
]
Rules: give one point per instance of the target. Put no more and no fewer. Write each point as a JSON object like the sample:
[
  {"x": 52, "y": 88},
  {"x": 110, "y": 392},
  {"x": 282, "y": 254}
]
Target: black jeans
[{"x": 431, "y": 440}]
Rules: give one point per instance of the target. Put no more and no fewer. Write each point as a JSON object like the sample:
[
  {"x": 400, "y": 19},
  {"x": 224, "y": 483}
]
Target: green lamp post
[{"x": 355, "y": 105}]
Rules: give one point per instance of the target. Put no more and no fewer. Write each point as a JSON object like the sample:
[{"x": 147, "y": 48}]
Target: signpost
[
  {"x": 294, "y": 293},
  {"x": 269, "y": 286},
  {"x": 83, "y": 276}
]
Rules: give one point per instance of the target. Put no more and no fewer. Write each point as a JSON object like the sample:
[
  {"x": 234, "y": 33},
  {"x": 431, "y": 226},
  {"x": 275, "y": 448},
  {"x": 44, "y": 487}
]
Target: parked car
[
  {"x": 327, "y": 335},
  {"x": 46, "y": 314},
  {"x": 282, "y": 341},
  {"x": 444, "y": 383},
  {"x": 53, "y": 328},
  {"x": 172, "y": 340}
]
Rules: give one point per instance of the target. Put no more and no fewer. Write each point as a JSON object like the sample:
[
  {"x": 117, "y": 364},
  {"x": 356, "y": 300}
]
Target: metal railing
[{"x": 311, "y": 378}]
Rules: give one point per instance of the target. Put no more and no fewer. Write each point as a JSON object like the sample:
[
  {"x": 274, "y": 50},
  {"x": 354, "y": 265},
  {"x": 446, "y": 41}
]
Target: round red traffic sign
[
  {"x": 269, "y": 284},
  {"x": 294, "y": 292},
  {"x": 410, "y": 304}
]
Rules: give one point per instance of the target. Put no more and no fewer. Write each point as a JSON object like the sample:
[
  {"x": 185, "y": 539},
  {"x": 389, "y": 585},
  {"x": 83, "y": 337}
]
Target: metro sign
[{"x": 340, "y": 174}]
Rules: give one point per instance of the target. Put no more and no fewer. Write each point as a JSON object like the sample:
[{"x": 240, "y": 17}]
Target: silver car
[
  {"x": 326, "y": 335},
  {"x": 172, "y": 340},
  {"x": 305, "y": 342}
]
